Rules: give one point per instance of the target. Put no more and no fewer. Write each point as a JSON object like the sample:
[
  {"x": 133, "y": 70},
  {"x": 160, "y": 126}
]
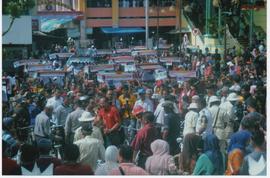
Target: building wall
[{"x": 260, "y": 18}]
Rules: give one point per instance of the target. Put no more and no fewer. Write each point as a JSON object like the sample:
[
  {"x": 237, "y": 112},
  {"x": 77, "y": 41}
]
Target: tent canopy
[{"x": 121, "y": 30}]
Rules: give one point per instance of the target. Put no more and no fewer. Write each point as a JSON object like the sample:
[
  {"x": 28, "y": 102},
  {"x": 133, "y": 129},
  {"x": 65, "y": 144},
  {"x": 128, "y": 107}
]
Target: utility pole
[
  {"x": 180, "y": 24},
  {"x": 158, "y": 27},
  {"x": 146, "y": 23},
  {"x": 251, "y": 21}
]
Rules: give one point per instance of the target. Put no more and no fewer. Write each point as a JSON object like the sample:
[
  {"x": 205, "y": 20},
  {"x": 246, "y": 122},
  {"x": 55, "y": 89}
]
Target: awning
[
  {"x": 122, "y": 30},
  {"x": 53, "y": 22},
  {"x": 80, "y": 60}
]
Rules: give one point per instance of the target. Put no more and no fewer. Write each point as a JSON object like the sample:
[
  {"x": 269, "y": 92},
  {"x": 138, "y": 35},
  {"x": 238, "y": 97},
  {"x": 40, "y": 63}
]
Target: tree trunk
[{"x": 10, "y": 25}]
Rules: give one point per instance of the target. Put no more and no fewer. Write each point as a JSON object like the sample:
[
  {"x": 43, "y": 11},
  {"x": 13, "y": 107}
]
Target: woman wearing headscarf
[
  {"x": 161, "y": 160},
  {"x": 191, "y": 149},
  {"x": 211, "y": 162},
  {"x": 111, "y": 154},
  {"x": 237, "y": 151}
]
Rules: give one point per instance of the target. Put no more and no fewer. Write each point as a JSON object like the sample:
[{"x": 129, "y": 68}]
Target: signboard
[
  {"x": 105, "y": 77},
  {"x": 60, "y": 55},
  {"x": 52, "y": 74},
  {"x": 96, "y": 68},
  {"x": 160, "y": 75},
  {"x": 26, "y": 62},
  {"x": 130, "y": 67},
  {"x": 151, "y": 67},
  {"x": 184, "y": 75},
  {"x": 39, "y": 67}
]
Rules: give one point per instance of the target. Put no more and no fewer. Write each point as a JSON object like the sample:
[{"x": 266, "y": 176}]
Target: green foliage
[{"x": 16, "y": 8}]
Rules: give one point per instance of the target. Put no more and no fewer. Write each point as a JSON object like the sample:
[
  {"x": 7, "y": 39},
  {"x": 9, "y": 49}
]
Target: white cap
[
  {"x": 213, "y": 99},
  {"x": 193, "y": 106},
  {"x": 233, "y": 97},
  {"x": 86, "y": 116}
]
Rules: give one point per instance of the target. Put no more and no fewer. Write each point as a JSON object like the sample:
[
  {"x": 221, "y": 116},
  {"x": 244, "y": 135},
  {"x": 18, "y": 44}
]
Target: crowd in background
[{"x": 91, "y": 128}]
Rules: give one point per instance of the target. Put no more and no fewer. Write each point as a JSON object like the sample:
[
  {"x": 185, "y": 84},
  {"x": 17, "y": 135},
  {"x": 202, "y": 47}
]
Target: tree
[{"x": 16, "y": 8}]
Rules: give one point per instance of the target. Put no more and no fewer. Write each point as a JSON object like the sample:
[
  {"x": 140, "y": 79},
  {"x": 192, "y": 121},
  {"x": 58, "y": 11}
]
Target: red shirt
[
  {"x": 10, "y": 167},
  {"x": 110, "y": 117},
  {"x": 73, "y": 169},
  {"x": 144, "y": 138}
]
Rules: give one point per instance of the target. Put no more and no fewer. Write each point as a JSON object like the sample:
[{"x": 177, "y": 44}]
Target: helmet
[{"x": 137, "y": 110}]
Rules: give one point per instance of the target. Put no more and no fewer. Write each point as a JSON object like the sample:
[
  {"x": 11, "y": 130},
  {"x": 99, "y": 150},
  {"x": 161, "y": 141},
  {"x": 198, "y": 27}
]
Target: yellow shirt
[{"x": 123, "y": 101}]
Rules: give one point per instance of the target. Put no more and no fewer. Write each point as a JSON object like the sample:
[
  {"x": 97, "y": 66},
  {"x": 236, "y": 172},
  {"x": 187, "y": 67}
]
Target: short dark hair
[
  {"x": 258, "y": 138},
  {"x": 29, "y": 153},
  {"x": 71, "y": 152},
  {"x": 126, "y": 152},
  {"x": 148, "y": 116}
]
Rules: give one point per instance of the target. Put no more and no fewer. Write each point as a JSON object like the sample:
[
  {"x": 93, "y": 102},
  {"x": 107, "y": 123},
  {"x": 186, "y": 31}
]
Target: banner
[
  {"x": 26, "y": 62},
  {"x": 52, "y": 74},
  {"x": 60, "y": 55},
  {"x": 96, "y": 68},
  {"x": 39, "y": 67},
  {"x": 130, "y": 68},
  {"x": 182, "y": 76},
  {"x": 105, "y": 77},
  {"x": 161, "y": 75}
]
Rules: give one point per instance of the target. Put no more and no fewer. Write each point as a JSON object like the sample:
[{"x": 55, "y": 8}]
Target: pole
[
  {"x": 180, "y": 24},
  {"x": 225, "y": 38},
  {"x": 158, "y": 27},
  {"x": 146, "y": 23},
  {"x": 219, "y": 24},
  {"x": 208, "y": 14},
  {"x": 251, "y": 21}
]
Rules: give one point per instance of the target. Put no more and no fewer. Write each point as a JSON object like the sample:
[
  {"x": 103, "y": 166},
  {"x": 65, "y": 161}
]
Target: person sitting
[
  {"x": 126, "y": 166},
  {"x": 70, "y": 165}
]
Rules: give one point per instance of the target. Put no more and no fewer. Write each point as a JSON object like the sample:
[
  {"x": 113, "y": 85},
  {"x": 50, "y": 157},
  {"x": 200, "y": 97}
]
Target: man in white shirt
[
  {"x": 191, "y": 119},
  {"x": 146, "y": 103},
  {"x": 55, "y": 101},
  {"x": 91, "y": 149}
]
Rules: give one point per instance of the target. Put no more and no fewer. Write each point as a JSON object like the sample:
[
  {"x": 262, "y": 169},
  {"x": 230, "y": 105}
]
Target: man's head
[
  {"x": 141, "y": 93},
  {"x": 110, "y": 94},
  {"x": 71, "y": 152},
  {"x": 87, "y": 128},
  {"x": 29, "y": 154},
  {"x": 48, "y": 110},
  {"x": 258, "y": 138},
  {"x": 148, "y": 117},
  {"x": 104, "y": 103},
  {"x": 57, "y": 93},
  {"x": 125, "y": 154},
  {"x": 251, "y": 104},
  {"x": 44, "y": 145}
]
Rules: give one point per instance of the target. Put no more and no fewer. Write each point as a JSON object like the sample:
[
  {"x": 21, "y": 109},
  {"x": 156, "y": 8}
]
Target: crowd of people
[{"x": 214, "y": 124}]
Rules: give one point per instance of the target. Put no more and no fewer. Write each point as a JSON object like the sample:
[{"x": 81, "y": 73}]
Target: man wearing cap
[
  {"x": 87, "y": 118},
  {"x": 229, "y": 107},
  {"x": 72, "y": 121},
  {"x": 191, "y": 119},
  {"x": 220, "y": 120},
  {"x": 91, "y": 149},
  {"x": 42, "y": 124}
]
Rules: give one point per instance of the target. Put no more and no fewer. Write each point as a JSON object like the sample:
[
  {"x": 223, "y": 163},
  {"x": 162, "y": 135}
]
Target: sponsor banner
[
  {"x": 161, "y": 75},
  {"x": 60, "y": 55},
  {"x": 52, "y": 74},
  {"x": 39, "y": 67},
  {"x": 151, "y": 67},
  {"x": 130, "y": 68},
  {"x": 182, "y": 75},
  {"x": 96, "y": 68},
  {"x": 105, "y": 77},
  {"x": 26, "y": 62}
]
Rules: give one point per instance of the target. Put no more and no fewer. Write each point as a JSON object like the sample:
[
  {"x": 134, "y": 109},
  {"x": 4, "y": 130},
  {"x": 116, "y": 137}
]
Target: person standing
[
  {"x": 191, "y": 119},
  {"x": 42, "y": 124},
  {"x": 144, "y": 138},
  {"x": 91, "y": 149},
  {"x": 220, "y": 119},
  {"x": 62, "y": 111},
  {"x": 111, "y": 120}
]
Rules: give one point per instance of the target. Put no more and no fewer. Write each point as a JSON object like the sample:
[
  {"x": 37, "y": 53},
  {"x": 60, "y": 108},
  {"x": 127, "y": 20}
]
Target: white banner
[
  {"x": 130, "y": 68},
  {"x": 40, "y": 67},
  {"x": 160, "y": 75}
]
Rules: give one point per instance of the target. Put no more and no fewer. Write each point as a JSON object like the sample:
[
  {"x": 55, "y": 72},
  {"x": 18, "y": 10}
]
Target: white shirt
[
  {"x": 190, "y": 122},
  {"x": 91, "y": 150},
  {"x": 205, "y": 112},
  {"x": 147, "y": 104}
]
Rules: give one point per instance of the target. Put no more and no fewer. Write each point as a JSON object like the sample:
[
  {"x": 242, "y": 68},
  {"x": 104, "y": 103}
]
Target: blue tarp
[
  {"x": 122, "y": 30},
  {"x": 53, "y": 22}
]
